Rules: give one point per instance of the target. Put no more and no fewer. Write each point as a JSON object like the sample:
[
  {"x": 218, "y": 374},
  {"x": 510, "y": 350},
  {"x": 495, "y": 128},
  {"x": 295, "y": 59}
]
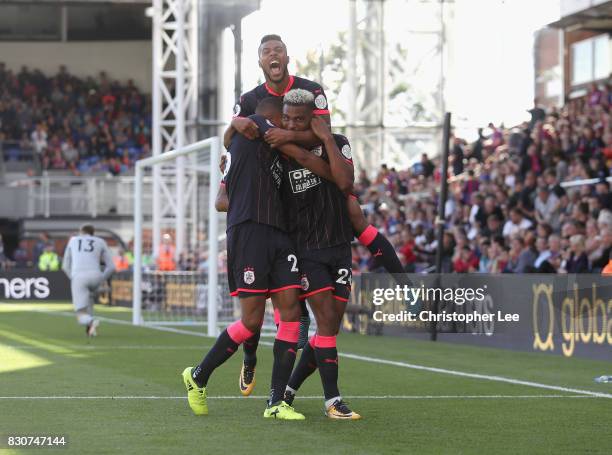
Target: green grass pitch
[{"x": 45, "y": 354}]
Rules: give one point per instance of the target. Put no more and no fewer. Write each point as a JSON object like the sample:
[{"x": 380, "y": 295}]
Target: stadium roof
[{"x": 597, "y": 18}]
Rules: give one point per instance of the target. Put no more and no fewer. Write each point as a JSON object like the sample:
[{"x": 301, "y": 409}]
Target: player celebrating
[
  {"x": 323, "y": 233},
  {"x": 273, "y": 61},
  {"x": 261, "y": 261},
  {"x": 320, "y": 226},
  {"x": 83, "y": 257}
]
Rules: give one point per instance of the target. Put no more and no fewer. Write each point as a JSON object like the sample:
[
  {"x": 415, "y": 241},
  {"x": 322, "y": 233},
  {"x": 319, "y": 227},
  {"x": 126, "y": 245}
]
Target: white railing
[
  {"x": 583, "y": 182},
  {"x": 93, "y": 196}
]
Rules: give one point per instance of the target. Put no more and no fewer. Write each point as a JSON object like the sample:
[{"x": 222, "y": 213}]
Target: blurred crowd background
[
  {"x": 507, "y": 210},
  {"x": 80, "y": 125}
]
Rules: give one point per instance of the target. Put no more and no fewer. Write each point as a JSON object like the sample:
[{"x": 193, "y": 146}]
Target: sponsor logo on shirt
[{"x": 302, "y": 180}]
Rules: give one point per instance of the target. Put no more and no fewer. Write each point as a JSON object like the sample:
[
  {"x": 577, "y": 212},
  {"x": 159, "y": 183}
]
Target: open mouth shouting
[{"x": 275, "y": 69}]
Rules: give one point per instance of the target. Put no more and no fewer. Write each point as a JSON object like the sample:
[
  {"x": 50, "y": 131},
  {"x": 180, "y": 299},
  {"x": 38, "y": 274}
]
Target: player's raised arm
[{"x": 341, "y": 166}]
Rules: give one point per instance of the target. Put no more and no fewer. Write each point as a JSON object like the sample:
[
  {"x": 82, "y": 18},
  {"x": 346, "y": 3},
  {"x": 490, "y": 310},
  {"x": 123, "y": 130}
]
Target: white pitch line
[
  {"x": 265, "y": 397},
  {"x": 392, "y": 363},
  {"x": 76, "y": 347}
]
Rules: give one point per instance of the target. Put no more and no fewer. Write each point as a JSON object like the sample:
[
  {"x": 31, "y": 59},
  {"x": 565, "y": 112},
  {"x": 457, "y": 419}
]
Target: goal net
[{"x": 180, "y": 269}]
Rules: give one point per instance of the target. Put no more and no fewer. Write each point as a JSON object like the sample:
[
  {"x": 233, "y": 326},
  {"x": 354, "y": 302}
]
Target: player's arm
[
  {"x": 107, "y": 258},
  {"x": 240, "y": 122},
  {"x": 67, "y": 259},
  {"x": 341, "y": 167},
  {"x": 309, "y": 160},
  {"x": 278, "y": 137},
  {"x": 299, "y": 154},
  {"x": 222, "y": 201}
]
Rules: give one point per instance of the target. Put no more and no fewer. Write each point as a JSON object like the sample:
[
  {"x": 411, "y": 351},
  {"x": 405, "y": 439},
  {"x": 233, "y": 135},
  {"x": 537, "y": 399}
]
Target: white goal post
[{"x": 202, "y": 157}]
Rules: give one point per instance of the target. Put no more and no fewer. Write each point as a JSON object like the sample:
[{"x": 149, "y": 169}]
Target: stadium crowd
[
  {"x": 507, "y": 211},
  {"x": 83, "y": 125}
]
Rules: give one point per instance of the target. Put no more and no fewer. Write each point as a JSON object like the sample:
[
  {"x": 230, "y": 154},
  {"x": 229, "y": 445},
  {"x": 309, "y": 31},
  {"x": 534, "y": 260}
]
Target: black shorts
[
  {"x": 261, "y": 260},
  {"x": 327, "y": 269}
]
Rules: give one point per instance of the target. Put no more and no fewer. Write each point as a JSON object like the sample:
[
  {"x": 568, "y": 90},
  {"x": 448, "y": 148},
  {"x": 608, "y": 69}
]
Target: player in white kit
[{"x": 83, "y": 259}]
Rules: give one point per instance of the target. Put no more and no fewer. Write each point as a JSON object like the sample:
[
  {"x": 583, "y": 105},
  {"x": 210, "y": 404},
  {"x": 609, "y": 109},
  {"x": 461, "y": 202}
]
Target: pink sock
[
  {"x": 288, "y": 331},
  {"x": 238, "y": 332}
]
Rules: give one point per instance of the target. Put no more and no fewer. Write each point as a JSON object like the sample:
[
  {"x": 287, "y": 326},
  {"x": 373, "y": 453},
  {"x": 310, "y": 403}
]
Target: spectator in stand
[
  {"x": 594, "y": 96},
  {"x": 457, "y": 155},
  {"x": 39, "y": 138},
  {"x": 578, "y": 261},
  {"x": 49, "y": 261},
  {"x": 407, "y": 251},
  {"x": 121, "y": 262},
  {"x": 165, "y": 258},
  {"x": 547, "y": 207},
  {"x": 427, "y": 166},
  {"x": 498, "y": 256},
  {"x": 484, "y": 262},
  {"x": 465, "y": 261},
  {"x": 470, "y": 187},
  {"x": 537, "y": 114},
  {"x": 489, "y": 208},
  {"x": 21, "y": 256},
  {"x": 516, "y": 224},
  {"x": 588, "y": 144},
  {"x": 602, "y": 191},
  {"x": 39, "y": 247},
  {"x": 3, "y": 259}
]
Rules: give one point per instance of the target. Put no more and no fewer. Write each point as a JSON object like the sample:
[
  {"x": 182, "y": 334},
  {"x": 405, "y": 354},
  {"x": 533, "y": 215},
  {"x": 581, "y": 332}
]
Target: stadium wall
[
  {"x": 560, "y": 314},
  {"x": 121, "y": 60}
]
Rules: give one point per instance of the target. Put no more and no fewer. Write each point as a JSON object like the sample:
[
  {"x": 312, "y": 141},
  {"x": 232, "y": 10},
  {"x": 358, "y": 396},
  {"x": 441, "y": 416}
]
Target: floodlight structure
[
  {"x": 381, "y": 125},
  {"x": 175, "y": 96}
]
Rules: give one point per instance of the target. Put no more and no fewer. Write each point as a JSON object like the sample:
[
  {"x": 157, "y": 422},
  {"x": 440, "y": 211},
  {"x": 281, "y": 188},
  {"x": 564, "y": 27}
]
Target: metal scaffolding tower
[
  {"x": 175, "y": 82},
  {"x": 378, "y": 67}
]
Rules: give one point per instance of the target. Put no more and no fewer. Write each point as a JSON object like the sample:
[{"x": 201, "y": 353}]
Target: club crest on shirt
[
  {"x": 320, "y": 101},
  {"x": 237, "y": 109},
  {"x": 318, "y": 150},
  {"x": 249, "y": 275},
  {"x": 305, "y": 283},
  {"x": 346, "y": 151}
]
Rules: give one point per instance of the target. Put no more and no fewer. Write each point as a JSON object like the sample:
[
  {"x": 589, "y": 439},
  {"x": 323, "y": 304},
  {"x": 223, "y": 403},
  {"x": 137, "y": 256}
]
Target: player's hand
[
  {"x": 246, "y": 127},
  {"x": 222, "y": 163},
  {"x": 320, "y": 129},
  {"x": 277, "y": 137}
]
